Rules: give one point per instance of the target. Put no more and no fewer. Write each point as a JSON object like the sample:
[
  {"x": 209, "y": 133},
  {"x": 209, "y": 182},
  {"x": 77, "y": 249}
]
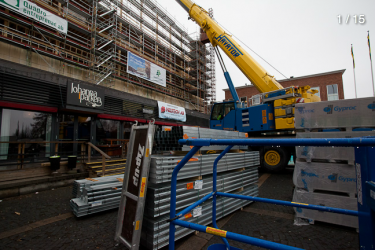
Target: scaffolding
[{"x": 101, "y": 32}]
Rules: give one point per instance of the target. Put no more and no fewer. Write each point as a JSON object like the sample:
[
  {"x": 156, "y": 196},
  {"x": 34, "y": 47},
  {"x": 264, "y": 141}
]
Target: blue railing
[{"x": 365, "y": 171}]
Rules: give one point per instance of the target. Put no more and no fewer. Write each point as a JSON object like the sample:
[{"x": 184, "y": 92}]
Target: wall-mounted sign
[
  {"x": 148, "y": 111},
  {"x": 85, "y": 96},
  {"x": 37, "y": 13},
  {"x": 145, "y": 69},
  {"x": 169, "y": 111}
]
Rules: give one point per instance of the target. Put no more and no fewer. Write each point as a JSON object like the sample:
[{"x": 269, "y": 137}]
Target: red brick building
[{"x": 329, "y": 84}]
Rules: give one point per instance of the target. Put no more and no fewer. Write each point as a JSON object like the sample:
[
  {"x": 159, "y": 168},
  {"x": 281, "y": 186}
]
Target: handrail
[
  {"x": 99, "y": 150},
  {"x": 104, "y": 155}
]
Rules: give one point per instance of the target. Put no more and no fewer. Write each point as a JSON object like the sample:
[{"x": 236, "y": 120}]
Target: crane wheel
[{"x": 274, "y": 159}]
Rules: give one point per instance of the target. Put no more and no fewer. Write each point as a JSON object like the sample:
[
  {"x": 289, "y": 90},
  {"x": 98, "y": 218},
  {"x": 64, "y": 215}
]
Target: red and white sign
[
  {"x": 169, "y": 111},
  {"x": 300, "y": 100}
]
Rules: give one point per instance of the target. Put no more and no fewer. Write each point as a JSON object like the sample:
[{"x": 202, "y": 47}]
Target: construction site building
[{"x": 100, "y": 34}]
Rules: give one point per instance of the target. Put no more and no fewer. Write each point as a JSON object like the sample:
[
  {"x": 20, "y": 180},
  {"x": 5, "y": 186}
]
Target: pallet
[
  {"x": 329, "y": 200},
  {"x": 325, "y": 177},
  {"x": 329, "y": 154}
]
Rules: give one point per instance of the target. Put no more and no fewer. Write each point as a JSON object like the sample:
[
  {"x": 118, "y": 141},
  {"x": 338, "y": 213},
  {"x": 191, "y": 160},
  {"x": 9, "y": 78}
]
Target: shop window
[
  {"x": 66, "y": 133},
  {"x": 318, "y": 89},
  {"x": 84, "y": 128},
  {"x": 332, "y": 92},
  {"x": 107, "y": 130},
  {"x": 25, "y": 126},
  {"x": 127, "y": 129}
]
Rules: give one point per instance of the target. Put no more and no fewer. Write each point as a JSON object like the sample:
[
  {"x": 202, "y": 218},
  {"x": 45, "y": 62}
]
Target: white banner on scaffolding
[
  {"x": 37, "y": 13},
  {"x": 146, "y": 70},
  {"x": 169, "y": 111}
]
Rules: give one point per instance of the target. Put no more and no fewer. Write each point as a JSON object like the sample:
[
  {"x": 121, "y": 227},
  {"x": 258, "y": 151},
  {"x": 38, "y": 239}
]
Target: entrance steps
[{"x": 112, "y": 167}]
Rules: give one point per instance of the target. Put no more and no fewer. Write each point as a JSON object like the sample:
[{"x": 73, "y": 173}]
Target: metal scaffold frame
[
  {"x": 100, "y": 32},
  {"x": 365, "y": 172}
]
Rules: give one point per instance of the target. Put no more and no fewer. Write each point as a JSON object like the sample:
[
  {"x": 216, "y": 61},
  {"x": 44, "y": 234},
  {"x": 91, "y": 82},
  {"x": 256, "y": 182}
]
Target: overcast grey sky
[{"x": 298, "y": 37}]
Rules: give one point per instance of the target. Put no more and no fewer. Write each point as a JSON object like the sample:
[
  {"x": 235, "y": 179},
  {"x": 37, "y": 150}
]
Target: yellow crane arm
[{"x": 217, "y": 36}]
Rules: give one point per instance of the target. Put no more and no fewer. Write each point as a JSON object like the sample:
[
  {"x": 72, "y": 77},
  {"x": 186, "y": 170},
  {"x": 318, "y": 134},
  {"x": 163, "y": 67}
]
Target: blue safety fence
[{"x": 365, "y": 171}]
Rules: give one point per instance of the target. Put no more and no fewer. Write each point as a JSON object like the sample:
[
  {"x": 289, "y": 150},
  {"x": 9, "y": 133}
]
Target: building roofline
[{"x": 296, "y": 78}]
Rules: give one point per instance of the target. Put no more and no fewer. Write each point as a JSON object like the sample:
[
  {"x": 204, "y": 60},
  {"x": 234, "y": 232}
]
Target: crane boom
[
  {"x": 269, "y": 114},
  {"x": 218, "y": 37}
]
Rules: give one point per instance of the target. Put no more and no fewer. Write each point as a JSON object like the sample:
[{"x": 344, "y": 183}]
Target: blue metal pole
[
  {"x": 214, "y": 190},
  {"x": 290, "y": 204},
  {"x": 365, "y": 170},
  {"x": 342, "y": 142},
  {"x": 187, "y": 210},
  {"x": 234, "y": 236},
  {"x": 232, "y": 90},
  {"x": 172, "y": 210}
]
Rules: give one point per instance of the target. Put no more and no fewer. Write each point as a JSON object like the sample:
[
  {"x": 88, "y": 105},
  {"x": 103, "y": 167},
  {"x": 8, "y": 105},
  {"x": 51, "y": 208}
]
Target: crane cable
[{"x": 251, "y": 49}]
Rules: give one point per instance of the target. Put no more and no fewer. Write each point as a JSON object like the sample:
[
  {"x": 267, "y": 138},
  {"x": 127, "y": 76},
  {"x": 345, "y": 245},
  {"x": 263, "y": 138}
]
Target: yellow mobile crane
[{"x": 274, "y": 113}]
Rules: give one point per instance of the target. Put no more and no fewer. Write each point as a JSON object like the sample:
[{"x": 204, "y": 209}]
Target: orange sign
[
  {"x": 190, "y": 185},
  {"x": 143, "y": 186},
  {"x": 264, "y": 113},
  {"x": 187, "y": 216},
  {"x": 191, "y": 159},
  {"x": 264, "y": 120},
  {"x": 217, "y": 232}
]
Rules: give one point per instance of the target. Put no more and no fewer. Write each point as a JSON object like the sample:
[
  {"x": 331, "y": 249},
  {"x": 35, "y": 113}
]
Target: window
[
  {"x": 255, "y": 100},
  {"x": 229, "y": 107},
  {"x": 107, "y": 129},
  {"x": 318, "y": 89},
  {"x": 217, "y": 112},
  {"x": 332, "y": 92},
  {"x": 244, "y": 100},
  {"x": 25, "y": 126}
]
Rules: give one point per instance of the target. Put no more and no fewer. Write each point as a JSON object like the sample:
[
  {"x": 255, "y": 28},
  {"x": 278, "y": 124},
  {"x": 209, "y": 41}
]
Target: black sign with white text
[{"x": 85, "y": 96}]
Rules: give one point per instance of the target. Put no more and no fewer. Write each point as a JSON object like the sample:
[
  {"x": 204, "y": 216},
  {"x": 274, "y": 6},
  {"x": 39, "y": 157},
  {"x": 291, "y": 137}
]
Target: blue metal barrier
[{"x": 365, "y": 171}]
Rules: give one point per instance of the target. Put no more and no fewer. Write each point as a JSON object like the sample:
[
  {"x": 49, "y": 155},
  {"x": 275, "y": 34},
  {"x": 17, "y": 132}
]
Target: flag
[
  {"x": 353, "y": 57},
  {"x": 368, "y": 42}
]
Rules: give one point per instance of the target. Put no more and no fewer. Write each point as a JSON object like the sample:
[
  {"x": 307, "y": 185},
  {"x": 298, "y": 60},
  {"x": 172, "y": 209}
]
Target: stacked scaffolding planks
[
  {"x": 237, "y": 173},
  {"x": 326, "y": 175},
  {"x": 168, "y": 140},
  {"x": 94, "y": 195}
]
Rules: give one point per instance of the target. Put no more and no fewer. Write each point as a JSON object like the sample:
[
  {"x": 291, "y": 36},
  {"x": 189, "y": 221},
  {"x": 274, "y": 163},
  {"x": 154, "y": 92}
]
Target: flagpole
[
  {"x": 355, "y": 84},
  {"x": 372, "y": 73},
  {"x": 372, "y": 77}
]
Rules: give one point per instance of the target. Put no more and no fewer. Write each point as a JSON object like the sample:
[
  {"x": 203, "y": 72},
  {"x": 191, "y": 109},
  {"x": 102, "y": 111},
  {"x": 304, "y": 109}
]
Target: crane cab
[
  {"x": 223, "y": 116},
  {"x": 231, "y": 116}
]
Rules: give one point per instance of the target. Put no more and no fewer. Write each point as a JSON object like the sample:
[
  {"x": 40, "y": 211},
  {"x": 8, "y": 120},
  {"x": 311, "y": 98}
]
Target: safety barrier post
[
  {"x": 172, "y": 211},
  {"x": 214, "y": 190},
  {"x": 365, "y": 170}
]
